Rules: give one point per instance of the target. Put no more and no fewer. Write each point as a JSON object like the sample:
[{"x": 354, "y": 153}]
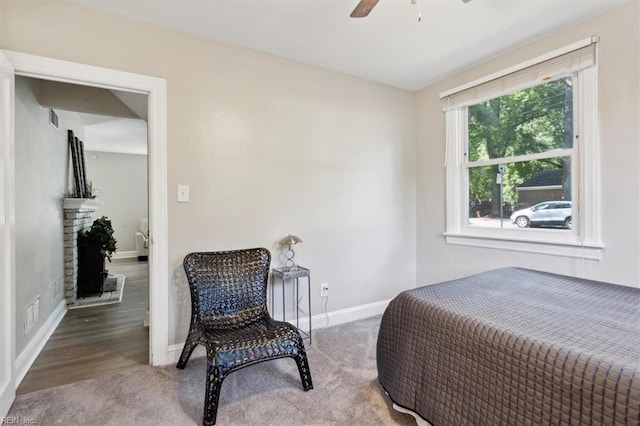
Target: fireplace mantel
[{"x": 87, "y": 204}]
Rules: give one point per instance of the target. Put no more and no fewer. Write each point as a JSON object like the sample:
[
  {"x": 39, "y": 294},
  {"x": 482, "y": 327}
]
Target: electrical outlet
[
  {"x": 31, "y": 315},
  {"x": 324, "y": 290},
  {"x": 28, "y": 319},
  {"x": 36, "y": 310},
  {"x": 54, "y": 291}
]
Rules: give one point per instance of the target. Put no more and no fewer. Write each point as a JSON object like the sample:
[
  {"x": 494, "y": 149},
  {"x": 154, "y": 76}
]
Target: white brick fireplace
[{"x": 77, "y": 217}]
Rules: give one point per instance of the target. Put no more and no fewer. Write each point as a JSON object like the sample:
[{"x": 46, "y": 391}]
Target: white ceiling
[{"x": 390, "y": 46}]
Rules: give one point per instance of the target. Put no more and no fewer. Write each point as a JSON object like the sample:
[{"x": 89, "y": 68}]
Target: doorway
[
  {"x": 12, "y": 64},
  {"x": 104, "y": 329}
]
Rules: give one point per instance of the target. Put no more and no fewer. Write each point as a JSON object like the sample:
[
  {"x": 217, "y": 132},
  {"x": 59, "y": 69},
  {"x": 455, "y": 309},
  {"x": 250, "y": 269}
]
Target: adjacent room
[
  {"x": 431, "y": 206},
  {"x": 104, "y": 328}
]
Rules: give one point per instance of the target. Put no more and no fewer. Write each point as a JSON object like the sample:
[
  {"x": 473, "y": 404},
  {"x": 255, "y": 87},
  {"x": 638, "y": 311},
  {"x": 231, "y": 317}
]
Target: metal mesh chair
[{"x": 229, "y": 318}]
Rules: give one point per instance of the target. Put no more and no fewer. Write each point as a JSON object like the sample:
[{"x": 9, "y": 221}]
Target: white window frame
[{"x": 584, "y": 239}]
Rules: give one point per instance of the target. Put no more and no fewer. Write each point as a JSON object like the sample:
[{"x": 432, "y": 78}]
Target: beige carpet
[{"x": 343, "y": 368}]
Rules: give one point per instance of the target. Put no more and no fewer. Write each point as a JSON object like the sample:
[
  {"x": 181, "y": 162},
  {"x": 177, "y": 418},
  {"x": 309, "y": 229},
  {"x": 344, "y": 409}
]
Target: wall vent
[{"x": 53, "y": 119}]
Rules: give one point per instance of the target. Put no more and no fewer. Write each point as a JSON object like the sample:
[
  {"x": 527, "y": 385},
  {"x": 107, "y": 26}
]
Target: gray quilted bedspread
[{"x": 514, "y": 347}]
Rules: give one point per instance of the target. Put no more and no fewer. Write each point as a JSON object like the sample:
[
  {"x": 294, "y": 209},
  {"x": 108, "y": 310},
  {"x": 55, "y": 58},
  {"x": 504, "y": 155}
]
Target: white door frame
[
  {"x": 7, "y": 252},
  {"x": 87, "y": 75}
]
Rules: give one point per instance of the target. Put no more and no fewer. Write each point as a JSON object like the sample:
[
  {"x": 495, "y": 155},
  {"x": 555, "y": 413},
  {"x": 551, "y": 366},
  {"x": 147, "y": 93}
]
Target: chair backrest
[
  {"x": 228, "y": 288},
  {"x": 143, "y": 226}
]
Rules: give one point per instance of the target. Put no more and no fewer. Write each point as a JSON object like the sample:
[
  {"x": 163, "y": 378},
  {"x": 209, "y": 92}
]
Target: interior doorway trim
[
  {"x": 7, "y": 272},
  {"x": 155, "y": 89}
]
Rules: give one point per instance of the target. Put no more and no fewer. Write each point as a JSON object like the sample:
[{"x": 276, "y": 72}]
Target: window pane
[
  {"x": 530, "y": 121},
  {"x": 538, "y": 193}
]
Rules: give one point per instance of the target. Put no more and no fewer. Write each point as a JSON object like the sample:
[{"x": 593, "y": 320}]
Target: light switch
[{"x": 183, "y": 193}]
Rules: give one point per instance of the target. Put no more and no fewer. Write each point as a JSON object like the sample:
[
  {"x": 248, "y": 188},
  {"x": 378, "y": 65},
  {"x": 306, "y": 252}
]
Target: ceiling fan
[{"x": 366, "y": 6}]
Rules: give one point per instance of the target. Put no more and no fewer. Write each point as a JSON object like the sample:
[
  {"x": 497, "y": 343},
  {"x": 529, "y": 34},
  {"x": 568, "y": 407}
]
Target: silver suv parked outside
[{"x": 548, "y": 213}]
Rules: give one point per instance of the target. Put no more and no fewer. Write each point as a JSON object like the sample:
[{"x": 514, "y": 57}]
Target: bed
[{"x": 514, "y": 346}]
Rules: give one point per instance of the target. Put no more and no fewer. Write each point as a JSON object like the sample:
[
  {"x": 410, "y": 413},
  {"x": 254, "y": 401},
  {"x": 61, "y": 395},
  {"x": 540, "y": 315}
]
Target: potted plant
[
  {"x": 101, "y": 233},
  {"x": 93, "y": 246}
]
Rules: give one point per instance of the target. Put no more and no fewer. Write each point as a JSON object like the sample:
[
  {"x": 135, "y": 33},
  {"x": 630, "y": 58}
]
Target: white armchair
[{"x": 142, "y": 239}]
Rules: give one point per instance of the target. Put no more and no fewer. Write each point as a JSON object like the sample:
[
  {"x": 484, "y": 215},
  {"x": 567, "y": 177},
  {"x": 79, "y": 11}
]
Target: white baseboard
[
  {"x": 319, "y": 321},
  {"x": 342, "y": 316},
  {"x": 124, "y": 254},
  {"x": 25, "y": 360}
]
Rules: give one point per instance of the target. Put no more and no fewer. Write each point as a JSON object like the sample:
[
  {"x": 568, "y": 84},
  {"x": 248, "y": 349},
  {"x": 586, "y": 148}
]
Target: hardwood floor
[{"x": 94, "y": 341}]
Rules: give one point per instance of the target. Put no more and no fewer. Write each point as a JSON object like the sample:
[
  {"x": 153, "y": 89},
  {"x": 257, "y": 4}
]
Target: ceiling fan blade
[{"x": 363, "y": 8}]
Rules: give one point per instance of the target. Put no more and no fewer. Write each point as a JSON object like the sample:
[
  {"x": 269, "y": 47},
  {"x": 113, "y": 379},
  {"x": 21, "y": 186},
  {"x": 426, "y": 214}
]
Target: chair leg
[
  {"x": 187, "y": 350},
  {"x": 303, "y": 369},
  {"x": 212, "y": 393}
]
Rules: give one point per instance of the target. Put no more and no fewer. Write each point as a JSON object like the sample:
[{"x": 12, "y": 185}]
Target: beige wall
[
  {"x": 269, "y": 147},
  {"x": 619, "y": 73}
]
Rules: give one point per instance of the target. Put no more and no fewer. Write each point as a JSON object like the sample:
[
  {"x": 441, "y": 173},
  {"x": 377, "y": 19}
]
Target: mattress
[{"x": 514, "y": 347}]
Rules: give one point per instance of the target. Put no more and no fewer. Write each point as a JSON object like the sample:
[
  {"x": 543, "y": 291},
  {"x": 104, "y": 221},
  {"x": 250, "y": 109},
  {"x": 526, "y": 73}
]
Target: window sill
[{"x": 577, "y": 250}]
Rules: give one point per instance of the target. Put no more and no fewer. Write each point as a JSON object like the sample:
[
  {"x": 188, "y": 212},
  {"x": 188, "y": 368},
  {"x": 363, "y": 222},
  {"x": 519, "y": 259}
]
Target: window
[{"x": 522, "y": 150}]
